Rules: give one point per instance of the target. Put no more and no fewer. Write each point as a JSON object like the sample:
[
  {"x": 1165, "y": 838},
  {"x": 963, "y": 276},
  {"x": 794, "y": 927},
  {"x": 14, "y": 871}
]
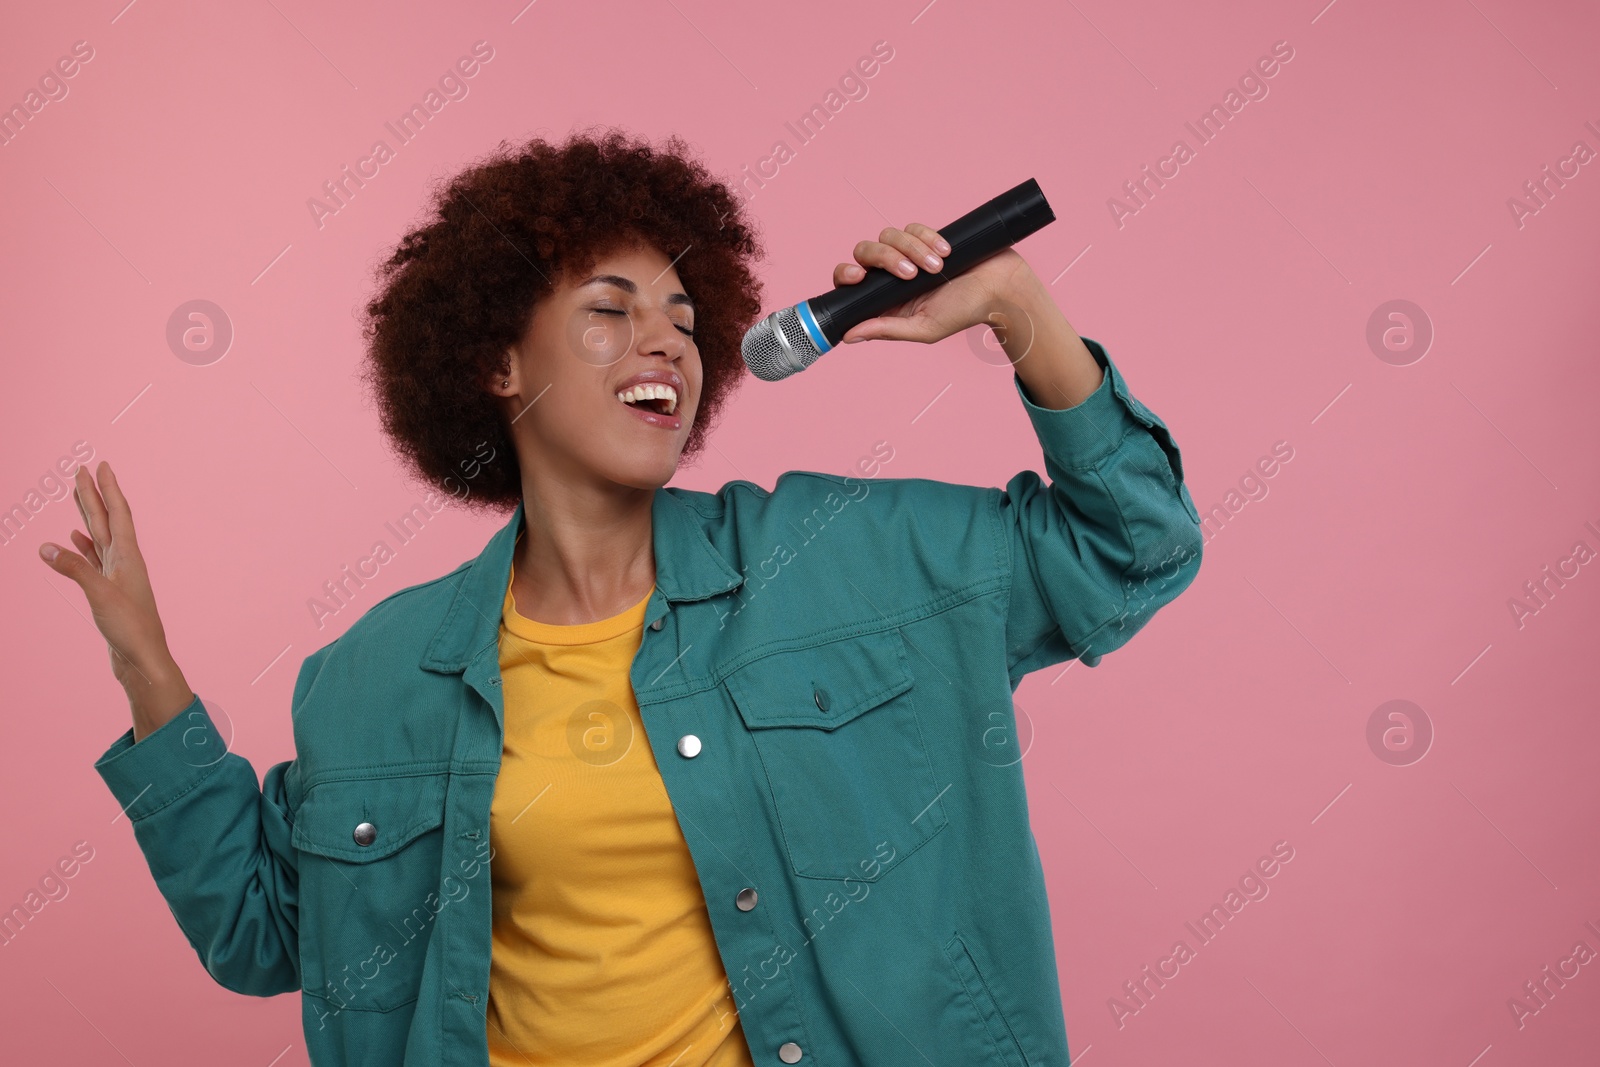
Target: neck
[{"x": 585, "y": 553}]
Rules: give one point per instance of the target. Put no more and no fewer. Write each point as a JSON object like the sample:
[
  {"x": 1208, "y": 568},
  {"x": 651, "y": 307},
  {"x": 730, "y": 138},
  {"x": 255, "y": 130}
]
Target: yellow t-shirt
[{"x": 603, "y": 952}]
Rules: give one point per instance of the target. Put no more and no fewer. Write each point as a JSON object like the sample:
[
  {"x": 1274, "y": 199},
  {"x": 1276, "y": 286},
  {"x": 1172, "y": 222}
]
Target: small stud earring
[{"x": 505, "y": 382}]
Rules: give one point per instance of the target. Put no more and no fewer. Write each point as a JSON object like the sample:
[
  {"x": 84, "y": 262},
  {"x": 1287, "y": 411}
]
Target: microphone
[{"x": 790, "y": 340}]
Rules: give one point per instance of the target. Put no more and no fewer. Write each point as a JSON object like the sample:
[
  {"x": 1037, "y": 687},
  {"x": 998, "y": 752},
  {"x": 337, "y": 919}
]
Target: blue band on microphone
[{"x": 808, "y": 323}]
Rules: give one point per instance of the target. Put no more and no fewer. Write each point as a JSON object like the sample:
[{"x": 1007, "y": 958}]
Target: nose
[{"x": 659, "y": 335}]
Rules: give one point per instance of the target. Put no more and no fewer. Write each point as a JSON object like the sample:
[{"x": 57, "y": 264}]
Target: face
[{"x": 623, "y": 328}]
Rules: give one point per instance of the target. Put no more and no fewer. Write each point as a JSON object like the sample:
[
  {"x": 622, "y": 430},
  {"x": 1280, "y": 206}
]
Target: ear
[{"x": 502, "y": 379}]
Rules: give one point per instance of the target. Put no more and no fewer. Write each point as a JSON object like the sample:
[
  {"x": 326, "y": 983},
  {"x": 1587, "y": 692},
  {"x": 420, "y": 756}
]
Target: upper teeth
[{"x": 651, "y": 391}]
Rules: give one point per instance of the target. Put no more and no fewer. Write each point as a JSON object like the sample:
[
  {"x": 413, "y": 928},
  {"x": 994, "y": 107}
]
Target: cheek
[
  {"x": 694, "y": 374},
  {"x": 596, "y": 340}
]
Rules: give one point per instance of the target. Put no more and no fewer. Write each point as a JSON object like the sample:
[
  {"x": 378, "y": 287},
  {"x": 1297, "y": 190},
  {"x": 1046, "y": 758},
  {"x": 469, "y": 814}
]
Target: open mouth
[{"x": 654, "y": 397}]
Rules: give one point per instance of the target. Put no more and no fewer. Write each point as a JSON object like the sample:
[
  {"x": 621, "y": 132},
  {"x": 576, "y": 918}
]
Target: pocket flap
[
  {"x": 824, "y": 686},
  {"x": 398, "y": 810}
]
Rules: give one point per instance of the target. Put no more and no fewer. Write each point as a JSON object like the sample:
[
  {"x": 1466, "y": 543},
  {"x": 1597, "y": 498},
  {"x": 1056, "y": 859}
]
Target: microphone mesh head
[{"x": 778, "y": 346}]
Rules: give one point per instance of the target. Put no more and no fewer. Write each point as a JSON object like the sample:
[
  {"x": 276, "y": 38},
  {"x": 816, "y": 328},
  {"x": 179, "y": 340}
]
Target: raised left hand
[{"x": 961, "y": 303}]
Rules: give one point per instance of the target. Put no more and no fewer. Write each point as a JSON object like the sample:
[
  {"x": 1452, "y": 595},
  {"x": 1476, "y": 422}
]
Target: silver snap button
[
  {"x": 821, "y": 697},
  {"x": 789, "y": 1052},
  {"x": 656, "y": 625},
  {"x": 365, "y": 834},
  {"x": 688, "y": 746},
  {"x": 745, "y": 900}
]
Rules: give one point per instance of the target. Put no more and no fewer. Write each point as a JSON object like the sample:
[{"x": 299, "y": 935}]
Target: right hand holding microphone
[{"x": 928, "y": 317}]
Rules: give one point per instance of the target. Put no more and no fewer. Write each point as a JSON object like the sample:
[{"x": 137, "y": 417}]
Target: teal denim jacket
[{"x": 844, "y": 649}]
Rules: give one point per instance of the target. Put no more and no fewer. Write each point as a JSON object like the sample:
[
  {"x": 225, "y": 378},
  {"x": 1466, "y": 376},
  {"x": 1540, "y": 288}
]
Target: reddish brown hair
[{"x": 460, "y": 289}]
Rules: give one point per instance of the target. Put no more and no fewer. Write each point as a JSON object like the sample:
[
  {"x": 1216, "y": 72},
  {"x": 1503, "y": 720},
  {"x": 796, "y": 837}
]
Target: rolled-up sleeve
[
  {"x": 218, "y": 845},
  {"x": 1112, "y": 538}
]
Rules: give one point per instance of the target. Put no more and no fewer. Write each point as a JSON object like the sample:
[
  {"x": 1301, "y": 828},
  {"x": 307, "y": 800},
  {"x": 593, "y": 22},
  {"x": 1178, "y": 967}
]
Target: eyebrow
[{"x": 627, "y": 286}]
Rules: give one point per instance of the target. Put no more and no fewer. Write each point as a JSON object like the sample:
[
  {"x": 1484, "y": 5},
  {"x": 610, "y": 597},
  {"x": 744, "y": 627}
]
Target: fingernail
[
  {"x": 943, "y": 246},
  {"x": 907, "y": 266},
  {"x": 932, "y": 261},
  {"x": 49, "y": 552}
]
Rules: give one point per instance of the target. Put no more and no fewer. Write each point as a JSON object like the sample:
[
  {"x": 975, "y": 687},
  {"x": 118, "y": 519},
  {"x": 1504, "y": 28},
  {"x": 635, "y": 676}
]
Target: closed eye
[{"x": 686, "y": 330}]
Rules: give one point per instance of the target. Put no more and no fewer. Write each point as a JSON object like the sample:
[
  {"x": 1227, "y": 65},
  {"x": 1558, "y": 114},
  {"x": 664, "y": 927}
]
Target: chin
[{"x": 651, "y": 476}]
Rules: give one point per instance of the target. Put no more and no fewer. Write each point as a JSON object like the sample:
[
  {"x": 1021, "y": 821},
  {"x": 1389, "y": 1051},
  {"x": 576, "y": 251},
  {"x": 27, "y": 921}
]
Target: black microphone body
[{"x": 789, "y": 340}]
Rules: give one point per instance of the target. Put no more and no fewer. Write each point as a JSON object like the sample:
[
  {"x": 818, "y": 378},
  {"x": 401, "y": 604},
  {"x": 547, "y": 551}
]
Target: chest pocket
[
  {"x": 836, "y": 730},
  {"x": 369, "y": 888}
]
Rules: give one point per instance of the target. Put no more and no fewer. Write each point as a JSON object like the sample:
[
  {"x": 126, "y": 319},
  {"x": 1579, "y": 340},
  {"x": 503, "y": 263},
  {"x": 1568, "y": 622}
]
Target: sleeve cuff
[
  {"x": 148, "y": 775},
  {"x": 1086, "y": 433}
]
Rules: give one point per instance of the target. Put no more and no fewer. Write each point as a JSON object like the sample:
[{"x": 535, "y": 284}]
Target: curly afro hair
[{"x": 460, "y": 289}]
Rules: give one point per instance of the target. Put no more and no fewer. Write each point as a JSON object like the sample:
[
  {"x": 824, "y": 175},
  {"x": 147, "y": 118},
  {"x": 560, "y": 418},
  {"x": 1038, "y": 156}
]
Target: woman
[{"x": 661, "y": 776}]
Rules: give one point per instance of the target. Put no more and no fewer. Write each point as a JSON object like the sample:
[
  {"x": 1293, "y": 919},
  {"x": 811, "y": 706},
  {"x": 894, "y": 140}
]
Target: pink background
[{"x": 1377, "y": 567}]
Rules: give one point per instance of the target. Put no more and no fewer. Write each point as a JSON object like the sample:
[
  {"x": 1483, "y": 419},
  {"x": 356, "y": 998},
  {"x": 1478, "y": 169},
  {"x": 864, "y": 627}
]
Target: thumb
[
  {"x": 910, "y": 328},
  {"x": 66, "y": 562}
]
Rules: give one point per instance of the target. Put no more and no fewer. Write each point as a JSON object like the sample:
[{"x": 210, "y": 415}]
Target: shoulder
[
  {"x": 405, "y": 607},
  {"x": 387, "y": 640},
  {"x": 403, "y": 611},
  {"x": 799, "y": 491},
  {"x": 363, "y": 700},
  {"x": 901, "y": 529}
]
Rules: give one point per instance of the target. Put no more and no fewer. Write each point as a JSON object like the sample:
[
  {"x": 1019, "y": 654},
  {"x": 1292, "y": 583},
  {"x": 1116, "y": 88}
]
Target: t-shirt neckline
[{"x": 583, "y": 633}]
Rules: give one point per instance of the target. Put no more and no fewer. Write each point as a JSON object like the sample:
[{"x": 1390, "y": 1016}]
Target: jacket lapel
[{"x": 688, "y": 567}]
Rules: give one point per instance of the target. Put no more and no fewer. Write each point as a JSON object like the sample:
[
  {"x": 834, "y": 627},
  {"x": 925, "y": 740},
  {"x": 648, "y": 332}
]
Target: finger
[
  {"x": 930, "y": 237},
  {"x": 912, "y": 247},
  {"x": 893, "y": 328},
  {"x": 119, "y": 513},
  {"x": 90, "y": 552},
  {"x": 93, "y": 508},
  {"x": 77, "y": 499},
  {"x": 848, "y": 274},
  {"x": 71, "y": 565},
  {"x": 885, "y": 256}
]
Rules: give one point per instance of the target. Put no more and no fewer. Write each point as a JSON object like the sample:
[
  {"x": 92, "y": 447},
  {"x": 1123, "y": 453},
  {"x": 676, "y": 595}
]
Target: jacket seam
[
  {"x": 998, "y": 1010},
  {"x": 419, "y": 586},
  {"x": 1122, "y": 576},
  {"x": 351, "y": 1007},
  {"x": 1042, "y": 642},
  {"x": 1092, "y": 468},
  {"x": 925, "y": 610},
  {"x": 994, "y": 1039},
  {"x": 377, "y": 772},
  {"x": 1010, "y": 573},
  {"x": 406, "y": 770},
  {"x": 191, "y": 787},
  {"x": 419, "y": 826},
  {"x": 1127, "y": 538},
  {"x": 693, "y": 503},
  {"x": 370, "y": 616},
  {"x": 1116, "y": 446},
  {"x": 915, "y": 613},
  {"x": 883, "y": 694}
]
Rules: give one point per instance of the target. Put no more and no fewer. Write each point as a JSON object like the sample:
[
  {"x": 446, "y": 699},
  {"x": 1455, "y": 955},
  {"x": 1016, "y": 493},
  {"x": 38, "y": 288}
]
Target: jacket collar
[{"x": 688, "y": 567}]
